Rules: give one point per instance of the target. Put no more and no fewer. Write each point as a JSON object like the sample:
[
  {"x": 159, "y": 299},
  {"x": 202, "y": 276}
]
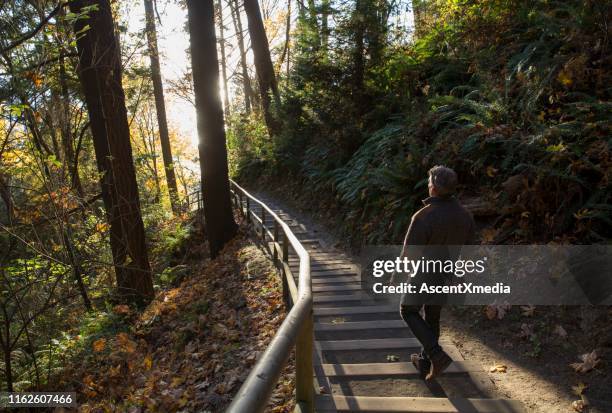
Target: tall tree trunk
[
  {"x": 325, "y": 5},
  {"x": 67, "y": 138},
  {"x": 263, "y": 64},
  {"x": 158, "y": 91},
  {"x": 358, "y": 58},
  {"x": 226, "y": 107},
  {"x": 100, "y": 73},
  {"x": 246, "y": 80},
  {"x": 285, "y": 53},
  {"x": 218, "y": 215},
  {"x": 418, "y": 16}
]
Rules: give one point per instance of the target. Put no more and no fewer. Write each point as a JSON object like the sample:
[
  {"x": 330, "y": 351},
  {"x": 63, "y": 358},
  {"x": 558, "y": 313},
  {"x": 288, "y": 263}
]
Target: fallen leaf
[
  {"x": 487, "y": 235},
  {"x": 589, "y": 362},
  {"x": 392, "y": 357},
  {"x": 99, "y": 345},
  {"x": 526, "y": 331},
  {"x": 124, "y": 342},
  {"x": 564, "y": 78},
  {"x": 528, "y": 310},
  {"x": 560, "y": 331},
  {"x": 490, "y": 312},
  {"x": 121, "y": 309},
  {"x": 148, "y": 362},
  {"x": 579, "y": 388},
  {"x": 579, "y": 405},
  {"x": 499, "y": 368}
]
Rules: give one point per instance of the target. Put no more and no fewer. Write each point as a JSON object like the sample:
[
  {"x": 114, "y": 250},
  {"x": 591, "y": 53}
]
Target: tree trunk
[
  {"x": 100, "y": 73},
  {"x": 418, "y": 14},
  {"x": 325, "y": 5},
  {"x": 160, "y": 106},
  {"x": 358, "y": 58},
  {"x": 246, "y": 80},
  {"x": 263, "y": 64},
  {"x": 218, "y": 215},
  {"x": 285, "y": 53},
  {"x": 226, "y": 107}
]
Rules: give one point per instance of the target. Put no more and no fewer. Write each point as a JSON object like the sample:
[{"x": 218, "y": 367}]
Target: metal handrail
[{"x": 296, "y": 329}]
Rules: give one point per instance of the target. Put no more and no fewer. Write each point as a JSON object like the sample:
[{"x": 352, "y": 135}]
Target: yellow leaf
[
  {"x": 499, "y": 368},
  {"x": 125, "y": 343},
  {"x": 564, "y": 78},
  {"x": 102, "y": 227},
  {"x": 99, "y": 345},
  {"x": 491, "y": 171},
  {"x": 148, "y": 362}
]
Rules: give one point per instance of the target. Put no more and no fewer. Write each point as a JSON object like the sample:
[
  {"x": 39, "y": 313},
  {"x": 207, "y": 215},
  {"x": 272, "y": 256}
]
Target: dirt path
[{"x": 541, "y": 380}]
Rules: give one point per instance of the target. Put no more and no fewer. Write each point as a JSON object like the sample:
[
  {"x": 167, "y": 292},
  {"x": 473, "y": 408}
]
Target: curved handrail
[{"x": 256, "y": 390}]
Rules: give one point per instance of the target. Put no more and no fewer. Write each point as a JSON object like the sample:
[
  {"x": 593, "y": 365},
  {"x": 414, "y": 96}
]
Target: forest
[{"x": 130, "y": 273}]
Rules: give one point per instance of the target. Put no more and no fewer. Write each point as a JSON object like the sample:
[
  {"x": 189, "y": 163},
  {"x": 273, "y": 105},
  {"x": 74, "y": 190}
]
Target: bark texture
[
  {"x": 160, "y": 106},
  {"x": 268, "y": 87},
  {"x": 218, "y": 215},
  {"x": 100, "y": 74}
]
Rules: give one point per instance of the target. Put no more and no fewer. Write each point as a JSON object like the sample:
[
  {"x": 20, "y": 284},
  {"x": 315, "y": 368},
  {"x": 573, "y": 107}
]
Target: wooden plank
[
  {"x": 333, "y": 271},
  {"x": 360, "y": 325},
  {"x": 332, "y": 274},
  {"x": 390, "y": 369},
  {"x": 325, "y": 403},
  {"x": 372, "y": 344},
  {"x": 335, "y": 280},
  {"x": 341, "y": 297},
  {"x": 339, "y": 311},
  {"x": 342, "y": 287}
]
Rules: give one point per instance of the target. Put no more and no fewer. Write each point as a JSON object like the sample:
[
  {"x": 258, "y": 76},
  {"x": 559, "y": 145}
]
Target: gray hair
[{"x": 443, "y": 179}]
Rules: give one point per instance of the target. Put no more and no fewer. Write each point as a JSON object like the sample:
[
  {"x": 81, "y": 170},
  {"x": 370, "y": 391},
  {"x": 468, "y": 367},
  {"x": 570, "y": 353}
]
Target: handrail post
[
  {"x": 275, "y": 239},
  {"x": 248, "y": 207},
  {"x": 304, "y": 385},
  {"x": 285, "y": 256},
  {"x": 240, "y": 199},
  {"x": 263, "y": 224}
]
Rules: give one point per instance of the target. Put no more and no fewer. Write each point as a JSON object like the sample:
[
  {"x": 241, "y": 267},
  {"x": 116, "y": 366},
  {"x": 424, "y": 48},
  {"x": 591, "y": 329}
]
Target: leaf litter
[{"x": 194, "y": 345}]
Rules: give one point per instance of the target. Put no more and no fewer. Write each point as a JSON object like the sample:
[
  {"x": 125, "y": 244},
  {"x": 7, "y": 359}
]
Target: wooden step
[
  {"x": 326, "y": 403},
  {"x": 332, "y": 274},
  {"x": 320, "y": 272},
  {"x": 341, "y": 287},
  {"x": 360, "y": 325},
  {"x": 362, "y": 309},
  {"x": 389, "y": 369},
  {"x": 321, "y": 265},
  {"x": 339, "y": 279},
  {"x": 333, "y": 298},
  {"x": 372, "y": 344}
]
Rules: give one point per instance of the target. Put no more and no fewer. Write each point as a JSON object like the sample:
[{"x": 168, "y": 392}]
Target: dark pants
[{"x": 427, "y": 330}]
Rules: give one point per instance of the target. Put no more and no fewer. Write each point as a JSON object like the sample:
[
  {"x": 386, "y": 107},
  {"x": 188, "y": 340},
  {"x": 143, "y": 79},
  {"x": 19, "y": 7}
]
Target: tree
[
  {"x": 226, "y": 104},
  {"x": 100, "y": 74},
  {"x": 246, "y": 80},
  {"x": 218, "y": 216},
  {"x": 263, "y": 64},
  {"x": 158, "y": 91}
]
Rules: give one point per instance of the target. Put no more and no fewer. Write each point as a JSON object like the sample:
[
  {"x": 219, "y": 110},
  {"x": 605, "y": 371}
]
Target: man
[{"x": 441, "y": 222}]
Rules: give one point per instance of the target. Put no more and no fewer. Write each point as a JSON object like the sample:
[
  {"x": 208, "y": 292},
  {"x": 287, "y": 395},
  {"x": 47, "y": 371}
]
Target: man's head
[{"x": 442, "y": 181}]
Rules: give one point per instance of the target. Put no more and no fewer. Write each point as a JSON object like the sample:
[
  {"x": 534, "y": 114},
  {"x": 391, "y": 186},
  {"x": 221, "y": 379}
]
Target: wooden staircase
[{"x": 355, "y": 336}]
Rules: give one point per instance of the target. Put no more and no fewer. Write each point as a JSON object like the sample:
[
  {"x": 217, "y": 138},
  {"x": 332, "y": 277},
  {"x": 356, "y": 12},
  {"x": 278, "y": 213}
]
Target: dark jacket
[{"x": 442, "y": 222}]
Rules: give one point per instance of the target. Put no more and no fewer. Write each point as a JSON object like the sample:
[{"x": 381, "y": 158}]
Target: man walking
[{"x": 443, "y": 221}]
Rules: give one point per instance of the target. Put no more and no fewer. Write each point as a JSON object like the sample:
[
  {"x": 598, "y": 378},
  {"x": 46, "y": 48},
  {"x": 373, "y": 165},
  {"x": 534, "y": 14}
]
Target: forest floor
[
  {"x": 194, "y": 345},
  {"x": 532, "y": 347}
]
